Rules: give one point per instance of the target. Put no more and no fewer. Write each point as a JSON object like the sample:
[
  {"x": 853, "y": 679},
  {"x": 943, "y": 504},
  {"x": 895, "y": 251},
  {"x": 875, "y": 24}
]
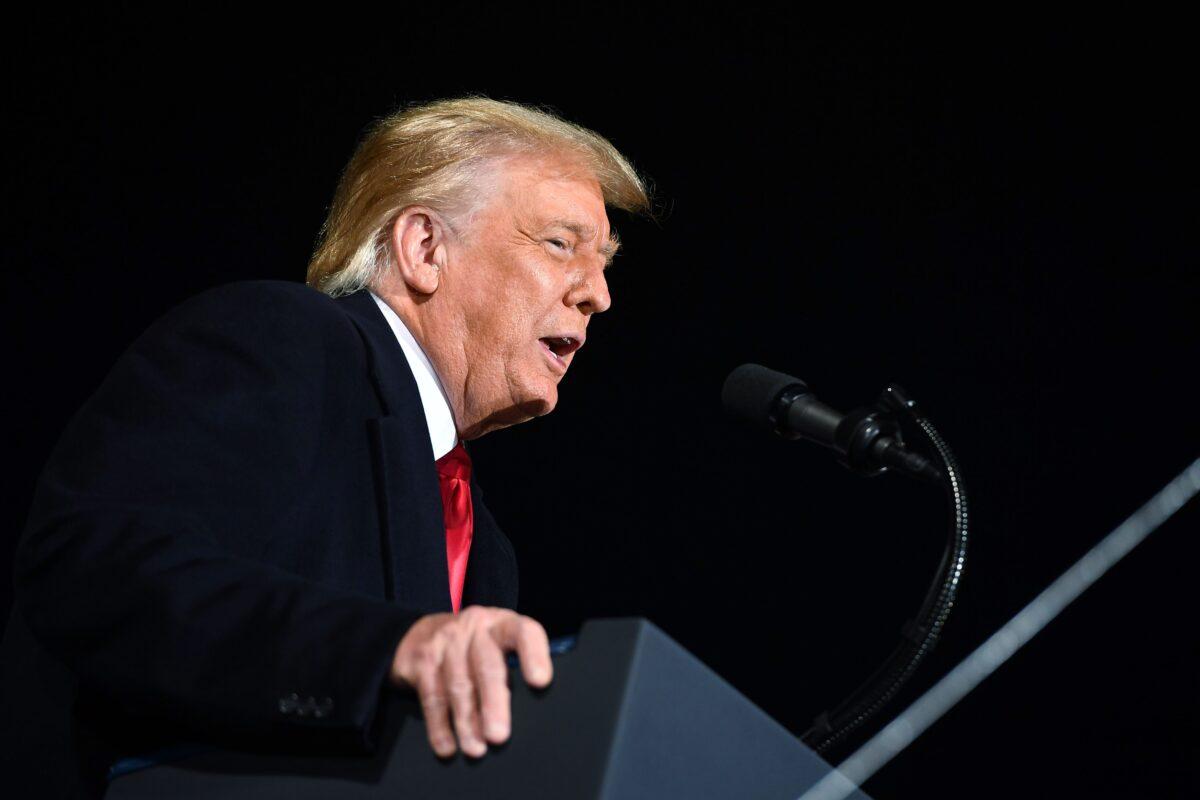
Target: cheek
[
  {"x": 505, "y": 349},
  {"x": 509, "y": 316},
  {"x": 521, "y": 320}
]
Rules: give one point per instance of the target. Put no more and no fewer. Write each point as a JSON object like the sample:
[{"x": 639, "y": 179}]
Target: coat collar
[{"x": 387, "y": 365}]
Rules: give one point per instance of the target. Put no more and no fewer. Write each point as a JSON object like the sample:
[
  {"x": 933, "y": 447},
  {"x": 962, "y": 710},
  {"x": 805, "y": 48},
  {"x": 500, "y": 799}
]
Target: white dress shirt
[{"x": 438, "y": 416}]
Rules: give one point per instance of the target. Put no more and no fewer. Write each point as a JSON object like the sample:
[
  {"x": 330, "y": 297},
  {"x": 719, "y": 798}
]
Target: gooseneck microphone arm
[
  {"x": 919, "y": 635},
  {"x": 868, "y": 442}
]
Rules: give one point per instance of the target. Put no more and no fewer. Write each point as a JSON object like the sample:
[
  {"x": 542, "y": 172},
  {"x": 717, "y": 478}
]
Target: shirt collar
[{"x": 438, "y": 417}]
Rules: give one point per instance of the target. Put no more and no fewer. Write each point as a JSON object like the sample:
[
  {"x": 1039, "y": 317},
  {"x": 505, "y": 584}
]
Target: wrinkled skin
[
  {"x": 455, "y": 662},
  {"x": 530, "y": 264}
]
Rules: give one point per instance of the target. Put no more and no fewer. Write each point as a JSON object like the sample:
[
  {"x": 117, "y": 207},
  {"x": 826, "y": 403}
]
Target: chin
[
  {"x": 535, "y": 397},
  {"x": 539, "y": 405},
  {"x": 529, "y": 405}
]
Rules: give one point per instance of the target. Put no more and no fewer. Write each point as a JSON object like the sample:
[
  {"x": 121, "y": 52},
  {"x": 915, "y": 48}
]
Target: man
[{"x": 265, "y": 516}]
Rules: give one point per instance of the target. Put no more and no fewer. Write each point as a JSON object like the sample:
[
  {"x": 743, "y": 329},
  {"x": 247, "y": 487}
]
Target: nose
[{"x": 590, "y": 292}]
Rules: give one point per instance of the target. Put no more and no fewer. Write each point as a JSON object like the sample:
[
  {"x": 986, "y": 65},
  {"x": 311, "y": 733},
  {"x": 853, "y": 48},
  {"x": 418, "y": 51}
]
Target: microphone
[{"x": 867, "y": 441}]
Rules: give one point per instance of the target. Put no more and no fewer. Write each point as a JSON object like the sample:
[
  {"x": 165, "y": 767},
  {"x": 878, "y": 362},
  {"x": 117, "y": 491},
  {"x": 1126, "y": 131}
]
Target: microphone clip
[{"x": 869, "y": 440}]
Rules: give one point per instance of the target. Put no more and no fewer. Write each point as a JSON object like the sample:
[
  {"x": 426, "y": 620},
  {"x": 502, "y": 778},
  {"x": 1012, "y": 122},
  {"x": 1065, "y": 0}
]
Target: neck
[{"x": 439, "y": 343}]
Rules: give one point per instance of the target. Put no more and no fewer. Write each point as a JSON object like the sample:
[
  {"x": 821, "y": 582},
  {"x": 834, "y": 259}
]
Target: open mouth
[
  {"x": 559, "y": 348},
  {"x": 561, "y": 345}
]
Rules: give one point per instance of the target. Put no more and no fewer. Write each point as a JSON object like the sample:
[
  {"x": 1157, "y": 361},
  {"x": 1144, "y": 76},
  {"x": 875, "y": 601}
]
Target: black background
[{"x": 999, "y": 215}]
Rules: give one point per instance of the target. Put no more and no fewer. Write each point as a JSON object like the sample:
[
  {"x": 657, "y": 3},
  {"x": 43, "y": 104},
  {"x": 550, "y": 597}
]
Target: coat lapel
[
  {"x": 492, "y": 567},
  {"x": 413, "y": 536}
]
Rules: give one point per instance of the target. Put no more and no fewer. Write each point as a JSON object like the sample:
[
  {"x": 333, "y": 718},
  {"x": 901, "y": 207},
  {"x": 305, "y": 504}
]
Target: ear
[{"x": 418, "y": 247}]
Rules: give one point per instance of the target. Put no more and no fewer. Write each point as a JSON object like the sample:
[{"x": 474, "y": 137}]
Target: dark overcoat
[{"x": 245, "y": 512}]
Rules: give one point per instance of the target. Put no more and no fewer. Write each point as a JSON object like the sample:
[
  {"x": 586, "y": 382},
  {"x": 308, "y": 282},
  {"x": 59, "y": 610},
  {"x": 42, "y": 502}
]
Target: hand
[{"x": 456, "y": 664}]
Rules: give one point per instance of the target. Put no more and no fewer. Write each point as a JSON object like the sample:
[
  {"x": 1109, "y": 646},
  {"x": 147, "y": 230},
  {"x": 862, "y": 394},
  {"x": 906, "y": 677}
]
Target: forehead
[{"x": 542, "y": 190}]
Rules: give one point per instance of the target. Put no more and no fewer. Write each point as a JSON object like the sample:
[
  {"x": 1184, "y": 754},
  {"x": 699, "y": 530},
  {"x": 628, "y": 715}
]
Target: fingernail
[
  {"x": 444, "y": 747},
  {"x": 497, "y": 731},
  {"x": 474, "y": 747}
]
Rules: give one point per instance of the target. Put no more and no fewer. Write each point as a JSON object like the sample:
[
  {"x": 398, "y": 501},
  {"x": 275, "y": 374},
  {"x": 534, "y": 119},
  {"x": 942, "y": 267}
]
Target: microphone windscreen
[{"x": 751, "y": 392}]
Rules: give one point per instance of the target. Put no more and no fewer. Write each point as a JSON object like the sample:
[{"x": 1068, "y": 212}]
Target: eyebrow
[{"x": 608, "y": 249}]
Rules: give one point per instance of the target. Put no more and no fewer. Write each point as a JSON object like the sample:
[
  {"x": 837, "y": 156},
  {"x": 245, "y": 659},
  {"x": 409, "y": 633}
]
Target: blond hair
[{"x": 437, "y": 155}]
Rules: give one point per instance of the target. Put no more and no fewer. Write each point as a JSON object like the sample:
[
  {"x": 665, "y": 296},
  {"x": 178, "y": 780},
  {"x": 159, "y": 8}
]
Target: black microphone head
[{"x": 751, "y": 394}]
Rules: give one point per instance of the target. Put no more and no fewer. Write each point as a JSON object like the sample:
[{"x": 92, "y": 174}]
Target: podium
[{"x": 630, "y": 714}]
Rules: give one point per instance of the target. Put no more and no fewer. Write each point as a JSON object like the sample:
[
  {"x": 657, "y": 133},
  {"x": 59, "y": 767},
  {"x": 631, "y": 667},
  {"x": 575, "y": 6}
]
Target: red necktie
[{"x": 454, "y": 477}]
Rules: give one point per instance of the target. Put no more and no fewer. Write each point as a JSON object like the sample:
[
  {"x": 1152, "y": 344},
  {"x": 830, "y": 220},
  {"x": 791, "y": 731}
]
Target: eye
[{"x": 558, "y": 243}]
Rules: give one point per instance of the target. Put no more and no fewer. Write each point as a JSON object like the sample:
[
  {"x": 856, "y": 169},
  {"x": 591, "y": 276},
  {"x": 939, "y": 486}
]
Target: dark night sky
[{"x": 1001, "y": 219}]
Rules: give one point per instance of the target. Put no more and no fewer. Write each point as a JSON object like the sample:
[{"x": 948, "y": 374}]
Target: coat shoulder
[
  {"x": 269, "y": 316},
  {"x": 267, "y": 300}
]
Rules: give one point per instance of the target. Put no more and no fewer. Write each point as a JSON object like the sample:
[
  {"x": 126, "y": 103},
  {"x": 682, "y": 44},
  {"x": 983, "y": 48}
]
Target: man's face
[{"x": 524, "y": 282}]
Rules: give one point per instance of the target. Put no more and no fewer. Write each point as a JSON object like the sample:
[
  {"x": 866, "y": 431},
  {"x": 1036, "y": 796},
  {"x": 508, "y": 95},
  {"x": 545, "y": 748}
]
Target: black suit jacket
[{"x": 246, "y": 509}]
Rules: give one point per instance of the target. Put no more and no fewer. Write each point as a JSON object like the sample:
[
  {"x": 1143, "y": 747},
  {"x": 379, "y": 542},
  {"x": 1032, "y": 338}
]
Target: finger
[
  {"x": 435, "y": 707},
  {"x": 420, "y": 648},
  {"x": 460, "y": 688},
  {"x": 528, "y": 638},
  {"x": 491, "y": 679}
]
